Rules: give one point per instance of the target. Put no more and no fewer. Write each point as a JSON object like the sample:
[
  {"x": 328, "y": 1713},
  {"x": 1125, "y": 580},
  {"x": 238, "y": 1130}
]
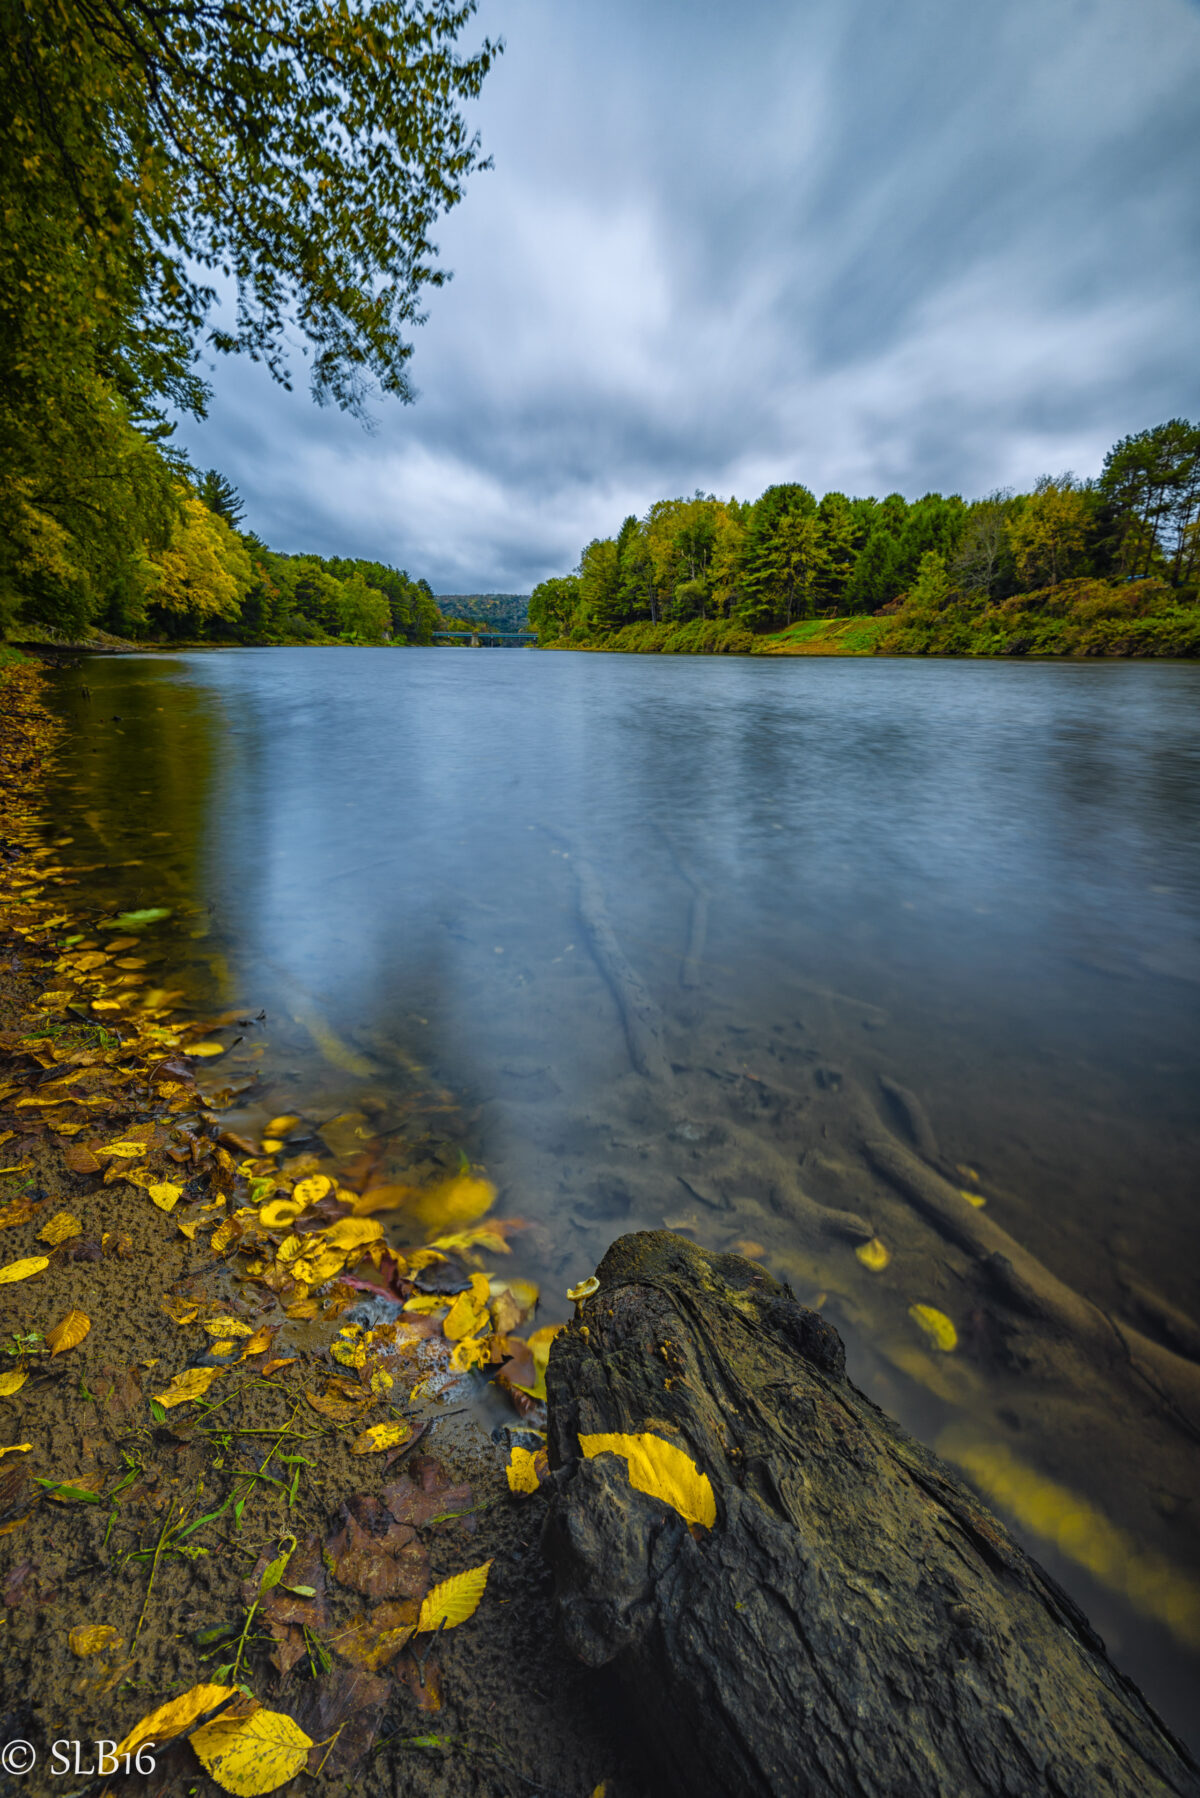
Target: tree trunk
[{"x": 856, "y": 1622}]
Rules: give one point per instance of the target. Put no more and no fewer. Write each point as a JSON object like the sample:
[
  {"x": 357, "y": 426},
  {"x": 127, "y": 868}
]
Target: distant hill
[{"x": 503, "y": 611}]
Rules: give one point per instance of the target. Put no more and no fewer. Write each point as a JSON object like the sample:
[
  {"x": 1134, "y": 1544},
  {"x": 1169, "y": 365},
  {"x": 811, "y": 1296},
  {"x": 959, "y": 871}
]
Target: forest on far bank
[{"x": 1103, "y": 565}]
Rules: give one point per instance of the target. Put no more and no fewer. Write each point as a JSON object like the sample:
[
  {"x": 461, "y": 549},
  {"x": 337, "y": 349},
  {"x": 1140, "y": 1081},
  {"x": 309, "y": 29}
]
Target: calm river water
[{"x": 787, "y": 954}]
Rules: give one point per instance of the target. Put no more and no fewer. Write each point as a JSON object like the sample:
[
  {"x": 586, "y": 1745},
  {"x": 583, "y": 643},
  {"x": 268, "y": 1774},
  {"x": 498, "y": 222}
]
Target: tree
[
  {"x": 599, "y": 584},
  {"x": 1151, "y": 483},
  {"x": 301, "y": 150},
  {"x": 1047, "y": 534},
  {"x": 202, "y": 573},
  {"x": 221, "y": 497},
  {"x": 552, "y": 607},
  {"x": 982, "y": 564},
  {"x": 296, "y": 151}
]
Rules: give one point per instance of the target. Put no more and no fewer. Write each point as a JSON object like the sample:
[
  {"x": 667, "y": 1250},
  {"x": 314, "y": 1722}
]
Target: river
[{"x": 786, "y": 954}]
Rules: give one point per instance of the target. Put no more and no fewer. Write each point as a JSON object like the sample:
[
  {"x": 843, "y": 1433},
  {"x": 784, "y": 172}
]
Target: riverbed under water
[{"x": 684, "y": 941}]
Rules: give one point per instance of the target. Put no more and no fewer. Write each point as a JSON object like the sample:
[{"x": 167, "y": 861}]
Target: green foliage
[
  {"x": 296, "y": 151},
  {"x": 948, "y": 576},
  {"x": 1086, "y": 617}
]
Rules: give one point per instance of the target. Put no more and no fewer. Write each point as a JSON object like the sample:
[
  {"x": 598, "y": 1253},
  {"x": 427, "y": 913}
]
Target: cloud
[{"x": 866, "y": 247}]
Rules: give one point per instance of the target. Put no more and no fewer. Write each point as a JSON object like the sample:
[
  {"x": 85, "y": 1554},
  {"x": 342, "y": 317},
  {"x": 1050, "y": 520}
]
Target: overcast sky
[{"x": 870, "y": 245}]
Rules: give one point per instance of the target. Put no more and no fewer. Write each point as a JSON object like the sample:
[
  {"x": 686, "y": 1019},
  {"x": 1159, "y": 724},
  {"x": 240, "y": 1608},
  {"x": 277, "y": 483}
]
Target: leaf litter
[{"x": 218, "y": 1394}]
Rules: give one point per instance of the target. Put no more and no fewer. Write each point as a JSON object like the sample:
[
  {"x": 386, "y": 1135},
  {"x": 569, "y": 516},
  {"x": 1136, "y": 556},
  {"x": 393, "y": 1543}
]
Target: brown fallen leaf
[
  {"x": 375, "y": 1556},
  {"x": 373, "y": 1642},
  {"x": 337, "y": 1408},
  {"x": 425, "y": 1494},
  {"x": 68, "y": 1333},
  {"x": 80, "y": 1160}
]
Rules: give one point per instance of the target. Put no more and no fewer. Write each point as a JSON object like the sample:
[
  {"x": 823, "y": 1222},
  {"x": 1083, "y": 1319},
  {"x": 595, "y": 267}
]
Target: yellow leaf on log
[
  {"x": 452, "y": 1601},
  {"x": 252, "y": 1755},
  {"x": 193, "y": 1383},
  {"x": 373, "y": 1441},
  {"x": 92, "y": 1638},
  {"x": 173, "y": 1718},
  {"x": 661, "y": 1470},
  {"x": 69, "y": 1333},
  {"x": 60, "y": 1228},
  {"x": 526, "y": 1470},
  {"x": 22, "y": 1270}
]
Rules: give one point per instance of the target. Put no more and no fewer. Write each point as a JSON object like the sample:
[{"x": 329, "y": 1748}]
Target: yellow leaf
[
  {"x": 452, "y": 1601},
  {"x": 92, "y": 1638},
  {"x": 353, "y": 1233},
  {"x": 973, "y": 1198},
  {"x": 165, "y": 1194},
  {"x": 873, "y": 1254},
  {"x": 472, "y": 1351},
  {"x": 193, "y": 1383},
  {"x": 456, "y": 1203},
  {"x": 21, "y": 1270},
  {"x": 380, "y": 1436},
  {"x": 180, "y": 1311},
  {"x": 127, "y": 1149},
  {"x": 16, "y": 1448},
  {"x": 280, "y": 1126},
  {"x": 278, "y": 1213},
  {"x": 584, "y": 1290},
  {"x": 225, "y": 1233},
  {"x": 60, "y": 1228},
  {"x": 173, "y": 1718},
  {"x": 424, "y": 1304},
  {"x": 311, "y": 1191},
  {"x": 188, "y": 1226},
  {"x": 69, "y": 1333},
  {"x": 12, "y": 1382},
  {"x": 936, "y": 1325},
  {"x": 260, "y": 1341},
  {"x": 662, "y": 1470},
  {"x": 468, "y": 1313},
  {"x": 479, "y": 1236},
  {"x": 228, "y": 1326},
  {"x": 252, "y": 1755},
  {"x": 205, "y": 1049},
  {"x": 526, "y": 1470}
]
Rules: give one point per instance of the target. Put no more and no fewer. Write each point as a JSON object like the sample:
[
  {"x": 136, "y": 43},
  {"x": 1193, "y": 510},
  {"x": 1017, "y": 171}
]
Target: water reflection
[{"x": 667, "y": 930}]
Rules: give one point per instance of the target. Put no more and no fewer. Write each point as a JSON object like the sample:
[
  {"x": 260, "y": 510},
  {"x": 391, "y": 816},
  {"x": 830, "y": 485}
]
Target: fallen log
[{"x": 855, "y": 1621}]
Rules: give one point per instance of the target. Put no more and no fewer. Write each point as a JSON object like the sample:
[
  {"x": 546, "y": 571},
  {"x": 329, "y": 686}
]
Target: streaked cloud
[{"x": 865, "y": 246}]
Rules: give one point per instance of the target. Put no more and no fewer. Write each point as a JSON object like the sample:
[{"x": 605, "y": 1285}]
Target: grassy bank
[
  {"x": 1074, "y": 618},
  {"x": 241, "y": 1455}
]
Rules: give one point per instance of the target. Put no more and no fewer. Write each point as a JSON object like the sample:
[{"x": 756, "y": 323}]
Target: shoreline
[{"x": 177, "y": 1298}]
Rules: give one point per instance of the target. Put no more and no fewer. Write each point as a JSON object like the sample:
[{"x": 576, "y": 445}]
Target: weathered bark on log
[{"x": 857, "y": 1622}]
